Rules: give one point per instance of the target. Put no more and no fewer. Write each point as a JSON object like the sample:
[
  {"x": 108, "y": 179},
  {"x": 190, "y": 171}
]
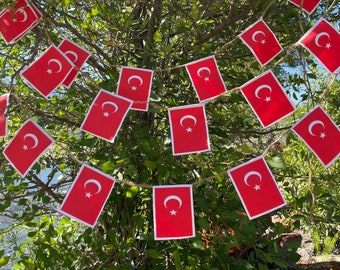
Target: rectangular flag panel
[
  {"x": 48, "y": 72},
  {"x": 320, "y": 134},
  {"x": 262, "y": 42},
  {"x": 77, "y": 55},
  {"x": 189, "y": 129},
  {"x": 106, "y": 115},
  {"x": 87, "y": 196},
  {"x": 267, "y": 98},
  {"x": 30, "y": 142},
  {"x": 307, "y": 5},
  {"x": 173, "y": 212},
  {"x": 206, "y": 78},
  {"x": 323, "y": 41},
  {"x": 3, "y": 118},
  {"x": 256, "y": 187},
  {"x": 135, "y": 84}
]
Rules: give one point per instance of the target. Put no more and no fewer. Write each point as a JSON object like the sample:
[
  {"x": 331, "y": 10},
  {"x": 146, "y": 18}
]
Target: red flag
[
  {"x": 256, "y": 187},
  {"x": 261, "y": 41},
  {"x": 106, "y": 115},
  {"x": 189, "y": 129},
  {"x": 323, "y": 41},
  {"x": 3, "y": 119},
  {"x": 135, "y": 84},
  {"x": 308, "y": 5},
  {"x": 267, "y": 98},
  {"x": 320, "y": 134},
  {"x": 77, "y": 55},
  {"x": 48, "y": 71},
  {"x": 87, "y": 196},
  {"x": 206, "y": 78},
  {"x": 15, "y": 24},
  {"x": 173, "y": 212},
  {"x": 27, "y": 146}
]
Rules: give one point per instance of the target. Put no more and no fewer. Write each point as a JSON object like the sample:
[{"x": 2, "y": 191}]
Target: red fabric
[
  {"x": 87, "y": 196},
  {"x": 3, "y": 119},
  {"x": 27, "y": 146},
  {"x": 267, "y": 98},
  {"x": 261, "y": 41},
  {"x": 189, "y": 129},
  {"x": 323, "y": 41},
  {"x": 135, "y": 84},
  {"x": 206, "y": 78},
  {"x": 308, "y": 5},
  {"x": 173, "y": 212},
  {"x": 320, "y": 134},
  {"x": 256, "y": 187},
  {"x": 106, "y": 115},
  {"x": 48, "y": 71}
]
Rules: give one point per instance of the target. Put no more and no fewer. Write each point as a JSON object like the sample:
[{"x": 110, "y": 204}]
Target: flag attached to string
[
  {"x": 135, "y": 84},
  {"x": 3, "y": 118},
  {"x": 262, "y": 42},
  {"x": 256, "y": 187},
  {"x": 189, "y": 129},
  {"x": 106, "y": 115},
  {"x": 267, "y": 98},
  {"x": 87, "y": 196},
  {"x": 77, "y": 55},
  {"x": 320, "y": 134},
  {"x": 30, "y": 142},
  {"x": 323, "y": 41},
  {"x": 173, "y": 212},
  {"x": 206, "y": 78},
  {"x": 48, "y": 72},
  {"x": 307, "y": 5}
]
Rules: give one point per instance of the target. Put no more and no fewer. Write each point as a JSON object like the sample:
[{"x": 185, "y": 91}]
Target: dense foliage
[{"x": 163, "y": 35}]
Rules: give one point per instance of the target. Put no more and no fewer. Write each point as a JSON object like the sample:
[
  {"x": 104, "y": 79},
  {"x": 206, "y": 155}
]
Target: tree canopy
[{"x": 163, "y": 36}]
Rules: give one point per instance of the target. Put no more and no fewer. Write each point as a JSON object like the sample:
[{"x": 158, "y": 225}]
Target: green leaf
[
  {"x": 277, "y": 162},
  {"x": 177, "y": 259},
  {"x": 149, "y": 164},
  {"x": 132, "y": 192},
  {"x": 154, "y": 254},
  {"x": 4, "y": 260},
  {"x": 157, "y": 37}
]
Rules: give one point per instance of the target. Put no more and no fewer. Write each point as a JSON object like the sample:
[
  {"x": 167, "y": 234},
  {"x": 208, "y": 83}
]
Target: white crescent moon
[
  {"x": 318, "y": 36},
  {"x": 74, "y": 54},
  {"x": 172, "y": 197},
  {"x": 111, "y": 103},
  {"x": 188, "y": 117},
  {"x": 250, "y": 174},
  {"x": 311, "y": 125},
  {"x": 261, "y": 87},
  {"x": 253, "y": 37},
  {"x": 23, "y": 12},
  {"x": 137, "y": 78},
  {"x": 53, "y": 60},
  {"x": 203, "y": 69},
  {"x": 34, "y": 138},
  {"x": 93, "y": 181}
]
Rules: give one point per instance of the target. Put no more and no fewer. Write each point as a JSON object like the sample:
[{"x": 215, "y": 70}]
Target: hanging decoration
[{"x": 3, "y": 118}]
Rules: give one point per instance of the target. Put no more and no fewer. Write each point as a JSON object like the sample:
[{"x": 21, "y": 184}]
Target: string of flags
[{"x": 172, "y": 204}]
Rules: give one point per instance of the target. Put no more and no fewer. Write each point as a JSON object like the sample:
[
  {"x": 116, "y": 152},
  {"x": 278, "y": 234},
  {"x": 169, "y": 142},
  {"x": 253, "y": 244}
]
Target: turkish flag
[
  {"x": 15, "y": 24},
  {"x": 267, "y": 98},
  {"x": 320, "y": 134},
  {"x": 77, "y": 55},
  {"x": 135, "y": 84},
  {"x": 206, "y": 78},
  {"x": 323, "y": 41},
  {"x": 48, "y": 71},
  {"x": 27, "y": 146},
  {"x": 189, "y": 129},
  {"x": 261, "y": 41},
  {"x": 87, "y": 196},
  {"x": 256, "y": 187},
  {"x": 308, "y": 5},
  {"x": 173, "y": 212},
  {"x": 106, "y": 115},
  {"x": 3, "y": 119}
]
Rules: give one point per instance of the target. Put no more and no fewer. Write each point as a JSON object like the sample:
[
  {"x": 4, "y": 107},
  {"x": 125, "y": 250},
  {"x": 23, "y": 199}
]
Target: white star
[
  {"x": 206, "y": 79},
  {"x": 88, "y": 195},
  {"x": 49, "y": 71},
  {"x": 267, "y": 99},
  {"x": 25, "y": 147},
  {"x": 322, "y": 135},
  {"x": 173, "y": 212},
  {"x": 106, "y": 114},
  {"x": 189, "y": 129},
  {"x": 257, "y": 187},
  {"x": 263, "y": 41},
  {"x": 328, "y": 45},
  {"x": 133, "y": 88}
]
